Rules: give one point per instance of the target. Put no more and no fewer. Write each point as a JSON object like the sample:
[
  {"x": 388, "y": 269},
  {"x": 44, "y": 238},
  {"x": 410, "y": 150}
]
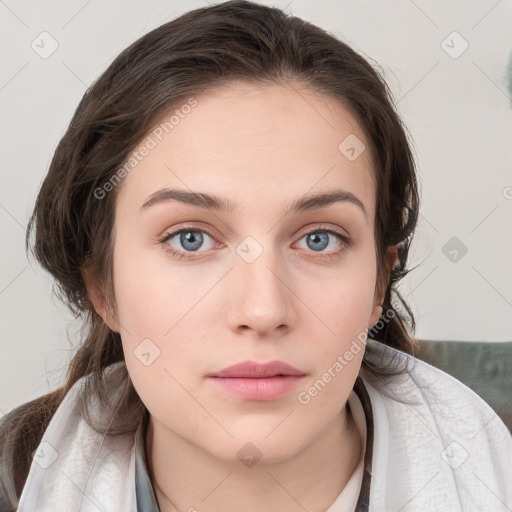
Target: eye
[
  {"x": 187, "y": 239},
  {"x": 321, "y": 238}
]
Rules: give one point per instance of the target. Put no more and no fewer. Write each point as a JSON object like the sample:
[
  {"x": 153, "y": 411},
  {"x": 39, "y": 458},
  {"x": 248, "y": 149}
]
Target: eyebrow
[{"x": 213, "y": 202}]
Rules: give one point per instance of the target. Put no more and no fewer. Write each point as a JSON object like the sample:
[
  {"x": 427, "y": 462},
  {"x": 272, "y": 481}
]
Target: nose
[{"x": 263, "y": 299}]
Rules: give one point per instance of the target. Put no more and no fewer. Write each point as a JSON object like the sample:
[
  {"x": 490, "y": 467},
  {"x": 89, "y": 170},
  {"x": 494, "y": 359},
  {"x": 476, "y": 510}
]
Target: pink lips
[{"x": 253, "y": 381}]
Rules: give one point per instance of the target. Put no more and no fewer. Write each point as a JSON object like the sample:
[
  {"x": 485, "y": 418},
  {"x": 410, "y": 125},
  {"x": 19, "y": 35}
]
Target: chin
[{"x": 257, "y": 449}]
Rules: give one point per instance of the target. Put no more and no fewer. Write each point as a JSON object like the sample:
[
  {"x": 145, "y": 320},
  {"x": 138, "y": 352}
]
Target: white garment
[{"x": 447, "y": 451}]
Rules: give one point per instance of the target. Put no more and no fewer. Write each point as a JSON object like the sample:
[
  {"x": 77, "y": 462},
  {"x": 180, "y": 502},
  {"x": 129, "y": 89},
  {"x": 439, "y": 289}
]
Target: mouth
[{"x": 253, "y": 381}]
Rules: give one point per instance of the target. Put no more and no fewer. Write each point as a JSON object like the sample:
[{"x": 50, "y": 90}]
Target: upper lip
[{"x": 252, "y": 370}]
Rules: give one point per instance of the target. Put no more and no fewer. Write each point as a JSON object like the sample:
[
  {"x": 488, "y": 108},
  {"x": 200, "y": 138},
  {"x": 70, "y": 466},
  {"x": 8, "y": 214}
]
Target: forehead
[{"x": 254, "y": 144}]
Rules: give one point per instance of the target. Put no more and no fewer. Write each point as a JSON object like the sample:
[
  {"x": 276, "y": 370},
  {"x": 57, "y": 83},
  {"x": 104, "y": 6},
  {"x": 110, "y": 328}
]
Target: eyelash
[{"x": 346, "y": 241}]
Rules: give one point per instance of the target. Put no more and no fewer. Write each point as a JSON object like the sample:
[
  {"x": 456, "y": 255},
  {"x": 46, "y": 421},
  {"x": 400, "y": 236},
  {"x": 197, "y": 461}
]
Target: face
[{"x": 254, "y": 281}]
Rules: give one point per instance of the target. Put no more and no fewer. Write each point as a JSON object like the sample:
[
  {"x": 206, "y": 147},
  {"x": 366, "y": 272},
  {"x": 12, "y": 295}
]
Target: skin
[{"x": 262, "y": 146}]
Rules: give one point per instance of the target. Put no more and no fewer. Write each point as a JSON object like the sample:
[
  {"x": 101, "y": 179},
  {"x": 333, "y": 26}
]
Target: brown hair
[{"x": 204, "y": 48}]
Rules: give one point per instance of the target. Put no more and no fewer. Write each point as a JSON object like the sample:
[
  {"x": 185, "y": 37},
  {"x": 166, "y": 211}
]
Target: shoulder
[
  {"x": 448, "y": 401},
  {"x": 428, "y": 425},
  {"x": 20, "y": 433},
  {"x": 13, "y": 461}
]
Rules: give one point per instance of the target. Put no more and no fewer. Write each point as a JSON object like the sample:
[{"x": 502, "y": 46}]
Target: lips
[
  {"x": 252, "y": 370},
  {"x": 254, "y": 381}
]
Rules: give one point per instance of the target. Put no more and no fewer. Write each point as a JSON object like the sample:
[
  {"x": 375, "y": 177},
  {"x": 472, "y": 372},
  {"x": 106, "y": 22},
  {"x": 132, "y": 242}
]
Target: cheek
[
  {"x": 341, "y": 309},
  {"x": 145, "y": 297},
  {"x": 344, "y": 297},
  {"x": 343, "y": 314}
]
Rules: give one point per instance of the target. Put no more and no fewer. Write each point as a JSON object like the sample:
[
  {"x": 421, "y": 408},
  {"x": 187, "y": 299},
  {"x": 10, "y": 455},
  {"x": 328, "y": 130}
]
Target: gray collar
[
  {"x": 144, "y": 491},
  {"x": 146, "y": 498}
]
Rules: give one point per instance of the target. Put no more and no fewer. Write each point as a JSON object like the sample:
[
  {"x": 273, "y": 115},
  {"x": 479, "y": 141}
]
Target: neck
[{"x": 186, "y": 477}]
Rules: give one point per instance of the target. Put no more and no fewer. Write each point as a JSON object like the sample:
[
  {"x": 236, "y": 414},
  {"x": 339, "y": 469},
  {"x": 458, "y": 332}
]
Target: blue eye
[
  {"x": 189, "y": 239},
  {"x": 319, "y": 240}
]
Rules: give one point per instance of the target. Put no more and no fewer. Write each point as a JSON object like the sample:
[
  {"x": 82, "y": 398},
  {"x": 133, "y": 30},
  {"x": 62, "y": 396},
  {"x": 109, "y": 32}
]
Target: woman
[{"x": 230, "y": 211}]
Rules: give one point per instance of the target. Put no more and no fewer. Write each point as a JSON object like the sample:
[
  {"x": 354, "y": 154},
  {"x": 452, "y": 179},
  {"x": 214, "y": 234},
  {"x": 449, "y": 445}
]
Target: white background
[{"x": 458, "y": 111}]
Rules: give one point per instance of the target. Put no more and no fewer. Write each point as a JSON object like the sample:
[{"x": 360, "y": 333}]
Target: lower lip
[{"x": 258, "y": 389}]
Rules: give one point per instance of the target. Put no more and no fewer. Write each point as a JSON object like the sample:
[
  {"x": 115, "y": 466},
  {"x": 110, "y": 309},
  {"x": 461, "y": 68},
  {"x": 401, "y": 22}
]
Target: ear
[
  {"x": 99, "y": 301},
  {"x": 382, "y": 284}
]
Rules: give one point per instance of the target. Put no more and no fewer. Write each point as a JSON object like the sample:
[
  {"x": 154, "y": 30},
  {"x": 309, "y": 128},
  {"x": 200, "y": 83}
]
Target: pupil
[
  {"x": 318, "y": 238},
  {"x": 189, "y": 237}
]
